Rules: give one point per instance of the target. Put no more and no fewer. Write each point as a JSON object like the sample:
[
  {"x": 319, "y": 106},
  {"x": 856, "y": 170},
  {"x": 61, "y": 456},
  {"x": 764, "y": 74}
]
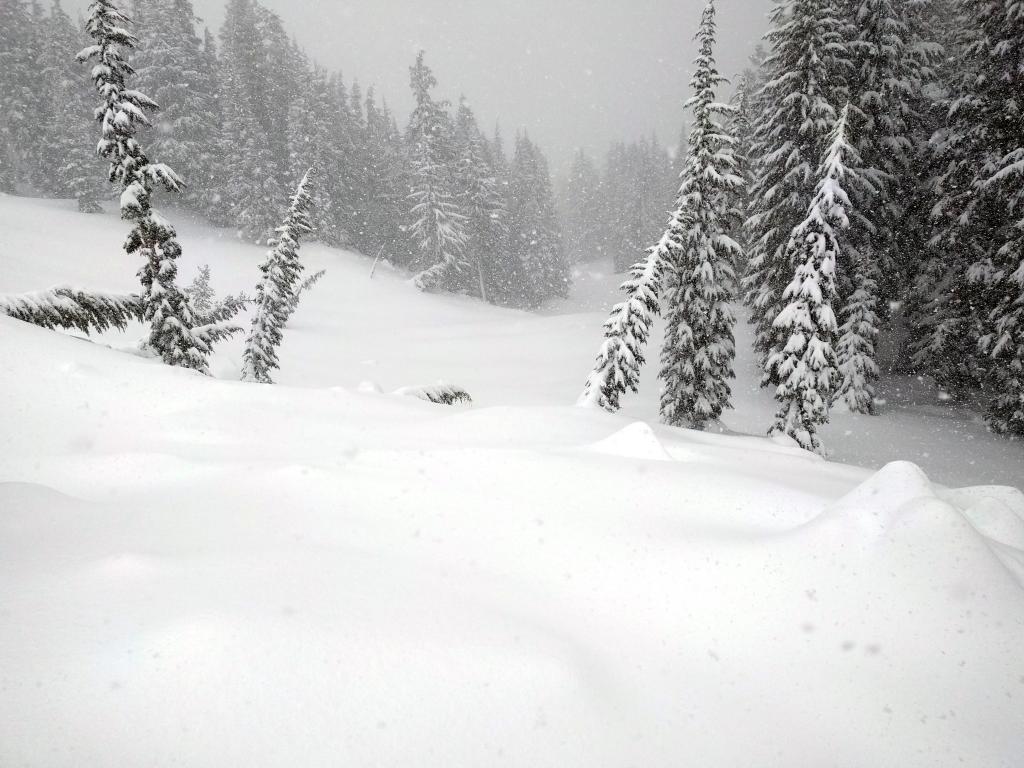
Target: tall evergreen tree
[
  {"x": 805, "y": 75},
  {"x": 69, "y": 157},
  {"x": 480, "y": 198},
  {"x": 387, "y": 185},
  {"x": 984, "y": 193},
  {"x": 438, "y": 226},
  {"x": 314, "y": 137},
  {"x": 172, "y": 68},
  {"x": 890, "y": 71},
  {"x": 254, "y": 132},
  {"x": 18, "y": 94},
  {"x": 536, "y": 238},
  {"x": 803, "y": 366},
  {"x": 177, "y": 335},
  {"x": 276, "y": 291},
  {"x": 581, "y": 210},
  {"x": 700, "y": 347}
]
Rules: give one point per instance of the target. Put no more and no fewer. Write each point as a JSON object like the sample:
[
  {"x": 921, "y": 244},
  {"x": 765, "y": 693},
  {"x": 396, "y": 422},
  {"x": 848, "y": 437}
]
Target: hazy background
[{"x": 571, "y": 72}]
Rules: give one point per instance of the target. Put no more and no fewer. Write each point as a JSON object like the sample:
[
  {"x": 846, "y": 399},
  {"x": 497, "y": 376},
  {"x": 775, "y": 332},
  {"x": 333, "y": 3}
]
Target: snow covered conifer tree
[
  {"x": 890, "y": 70},
  {"x": 803, "y": 365},
  {"x": 805, "y": 75},
  {"x": 582, "y": 209},
  {"x": 176, "y": 334},
  {"x": 200, "y": 291},
  {"x": 18, "y": 94},
  {"x": 276, "y": 291},
  {"x": 860, "y": 265},
  {"x": 7, "y": 173},
  {"x": 438, "y": 226},
  {"x": 626, "y": 332},
  {"x": 856, "y": 346},
  {"x": 314, "y": 122},
  {"x": 69, "y": 153},
  {"x": 171, "y": 69},
  {"x": 387, "y": 185},
  {"x": 254, "y": 115},
  {"x": 536, "y": 238},
  {"x": 968, "y": 323},
  {"x": 989, "y": 114},
  {"x": 697, "y": 359},
  {"x": 481, "y": 200}
]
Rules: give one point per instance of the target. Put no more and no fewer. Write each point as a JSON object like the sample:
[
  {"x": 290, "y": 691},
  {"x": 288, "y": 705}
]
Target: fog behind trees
[{"x": 574, "y": 73}]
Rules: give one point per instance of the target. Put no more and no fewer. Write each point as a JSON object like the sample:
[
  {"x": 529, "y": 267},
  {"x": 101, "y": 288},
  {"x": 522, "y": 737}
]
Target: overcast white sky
[{"x": 572, "y": 72}]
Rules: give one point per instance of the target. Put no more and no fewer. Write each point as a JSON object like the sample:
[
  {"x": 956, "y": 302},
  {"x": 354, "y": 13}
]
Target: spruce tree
[
  {"x": 479, "y": 197},
  {"x": 536, "y": 238},
  {"x": 177, "y": 335},
  {"x": 437, "y": 226},
  {"x": 254, "y": 135},
  {"x": 69, "y": 156},
  {"x": 805, "y": 74},
  {"x": 313, "y": 137},
  {"x": 276, "y": 291},
  {"x": 988, "y": 117},
  {"x": 200, "y": 291},
  {"x": 890, "y": 71},
  {"x": 697, "y": 359},
  {"x": 582, "y": 213},
  {"x": 857, "y": 343},
  {"x": 18, "y": 94},
  {"x": 387, "y": 185},
  {"x": 966, "y": 327},
  {"x": 803, "y": 366},
  {"x": 171, "y": 68}
]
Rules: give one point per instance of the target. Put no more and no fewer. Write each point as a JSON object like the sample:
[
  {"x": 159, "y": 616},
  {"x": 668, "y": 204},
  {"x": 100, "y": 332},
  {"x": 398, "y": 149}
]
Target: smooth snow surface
[{"x": 199, "y": 572}]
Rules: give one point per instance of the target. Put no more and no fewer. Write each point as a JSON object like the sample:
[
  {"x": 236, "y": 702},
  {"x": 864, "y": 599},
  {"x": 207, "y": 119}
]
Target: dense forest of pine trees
[
  {"x": 244, "y": 113},
  {"x": 878, "y": 147}
]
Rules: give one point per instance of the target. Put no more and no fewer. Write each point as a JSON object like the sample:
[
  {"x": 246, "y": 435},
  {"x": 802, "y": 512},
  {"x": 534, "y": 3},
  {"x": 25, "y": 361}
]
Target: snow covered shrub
[{"x": 439, "y": 394}]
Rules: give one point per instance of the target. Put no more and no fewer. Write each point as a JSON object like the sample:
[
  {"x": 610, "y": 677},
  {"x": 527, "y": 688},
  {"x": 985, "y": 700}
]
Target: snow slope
[{"x": 204, "y": 573}]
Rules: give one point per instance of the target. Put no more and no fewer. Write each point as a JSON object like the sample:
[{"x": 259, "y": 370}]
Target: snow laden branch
[
  {"x": 276, "y": 292},
  {"x": 72, "y": 309},
  {"x": 803, "y": 367},
  {"x": 306, "y": 286}
]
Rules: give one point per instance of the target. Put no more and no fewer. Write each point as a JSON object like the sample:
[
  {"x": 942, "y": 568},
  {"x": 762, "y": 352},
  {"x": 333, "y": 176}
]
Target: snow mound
[
  {"x": 877, "y": 504},
  {"x": 997, "y": 514},
  {"x": 637, "y": 441}
]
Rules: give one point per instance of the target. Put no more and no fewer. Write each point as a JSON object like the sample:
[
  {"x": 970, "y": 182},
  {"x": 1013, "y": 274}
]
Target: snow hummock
[
  {"x": 637, "y": 441},
  {"x": 201, "y": 572}
]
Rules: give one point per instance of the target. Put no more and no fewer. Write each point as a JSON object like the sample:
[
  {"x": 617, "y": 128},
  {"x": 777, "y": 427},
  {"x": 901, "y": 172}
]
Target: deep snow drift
[{"x": 206, "y": 573}]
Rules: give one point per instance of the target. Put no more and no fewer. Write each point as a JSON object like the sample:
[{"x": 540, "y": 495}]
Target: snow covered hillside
[{"x": 202, "y": 572}]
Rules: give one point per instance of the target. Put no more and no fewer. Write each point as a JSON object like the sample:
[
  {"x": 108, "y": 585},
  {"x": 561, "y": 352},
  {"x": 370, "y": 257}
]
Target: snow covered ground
[{"x": 204, "y": 573}]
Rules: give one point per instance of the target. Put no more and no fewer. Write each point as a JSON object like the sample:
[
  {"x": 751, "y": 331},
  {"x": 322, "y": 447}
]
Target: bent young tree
[
  {"x": 276, "y": 291},
  {"x": 626, "y": 331}
]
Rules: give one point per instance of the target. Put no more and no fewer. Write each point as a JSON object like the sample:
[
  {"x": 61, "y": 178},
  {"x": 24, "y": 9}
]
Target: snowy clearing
[{"x": 207, "y": 573}]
